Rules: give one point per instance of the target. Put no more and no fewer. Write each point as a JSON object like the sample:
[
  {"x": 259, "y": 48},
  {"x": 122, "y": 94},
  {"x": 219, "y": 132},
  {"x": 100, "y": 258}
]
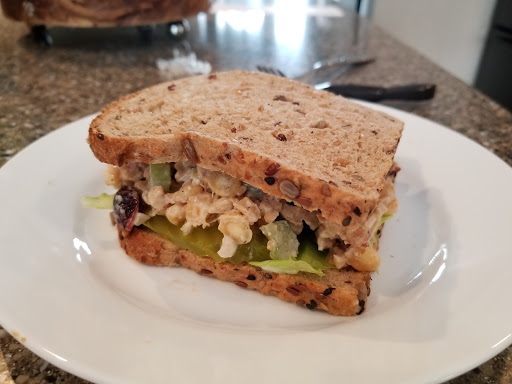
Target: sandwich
[{"x": 253, "y": 179}]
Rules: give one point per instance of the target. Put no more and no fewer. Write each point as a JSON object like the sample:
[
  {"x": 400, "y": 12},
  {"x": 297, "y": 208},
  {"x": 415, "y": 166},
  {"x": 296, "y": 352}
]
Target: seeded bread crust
[
  {"x": 340, "y": 292},
  {"x": 319, "y": 150}
]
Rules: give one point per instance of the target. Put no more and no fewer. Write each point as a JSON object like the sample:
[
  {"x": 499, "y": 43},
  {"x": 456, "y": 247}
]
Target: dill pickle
[
  {"x": 206, "y": 241},
  {"x": 308, "y": 252}
]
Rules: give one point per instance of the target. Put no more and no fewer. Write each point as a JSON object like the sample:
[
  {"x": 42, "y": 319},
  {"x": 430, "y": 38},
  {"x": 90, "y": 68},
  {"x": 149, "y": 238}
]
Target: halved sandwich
[{"x": 253, "y": 179}]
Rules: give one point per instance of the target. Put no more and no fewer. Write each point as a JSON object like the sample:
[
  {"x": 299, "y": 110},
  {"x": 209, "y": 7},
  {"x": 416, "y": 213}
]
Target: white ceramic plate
[{"x": 439, "y": 304}]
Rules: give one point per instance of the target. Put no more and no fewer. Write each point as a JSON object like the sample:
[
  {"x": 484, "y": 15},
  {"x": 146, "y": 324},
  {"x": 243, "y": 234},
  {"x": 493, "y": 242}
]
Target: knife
[{"x": 371, "y": 93}]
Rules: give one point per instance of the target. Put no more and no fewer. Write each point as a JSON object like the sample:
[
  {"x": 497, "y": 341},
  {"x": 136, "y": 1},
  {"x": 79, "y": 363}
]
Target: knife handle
[{"x": 404, "y": 92}]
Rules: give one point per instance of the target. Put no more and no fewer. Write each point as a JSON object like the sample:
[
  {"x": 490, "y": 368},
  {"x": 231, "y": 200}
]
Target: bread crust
[
  {"x": 339, "y": 292},
  {"x": 99, "y": 13},
  {"x": 239, "y": 135}
]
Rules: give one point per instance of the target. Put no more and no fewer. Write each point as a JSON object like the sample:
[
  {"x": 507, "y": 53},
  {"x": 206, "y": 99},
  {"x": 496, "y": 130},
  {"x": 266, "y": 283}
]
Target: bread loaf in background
[{"x": 101, "y": 13}]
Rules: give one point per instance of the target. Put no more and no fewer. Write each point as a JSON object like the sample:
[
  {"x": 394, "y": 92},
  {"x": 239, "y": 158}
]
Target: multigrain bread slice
[
  {"x": 318, "y": 150},
  {"x": 340, "y": 292}
]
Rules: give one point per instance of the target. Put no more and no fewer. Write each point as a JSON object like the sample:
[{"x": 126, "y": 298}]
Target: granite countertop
[{"x": 44, "y": 88}]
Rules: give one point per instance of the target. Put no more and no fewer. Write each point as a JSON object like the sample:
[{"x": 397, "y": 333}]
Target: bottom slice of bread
[{"x": 340, "y": 292}]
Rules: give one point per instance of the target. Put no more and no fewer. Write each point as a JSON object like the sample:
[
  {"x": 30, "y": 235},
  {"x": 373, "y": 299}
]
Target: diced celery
[
  {"x": 282, "y": 241},
  {"x": 160, "y": 174}
]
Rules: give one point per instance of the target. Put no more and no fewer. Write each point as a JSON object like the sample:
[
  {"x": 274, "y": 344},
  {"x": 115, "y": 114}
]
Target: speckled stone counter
[{"x": 44, "y": 88}]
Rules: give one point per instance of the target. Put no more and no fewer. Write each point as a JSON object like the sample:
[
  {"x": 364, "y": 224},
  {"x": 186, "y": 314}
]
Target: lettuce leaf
[
  {"x": 383, "y": 219},
  {"x": 103, "y": 201},
  {"x": 309, "y": 258},
  {"x": 291, "y": 266}
]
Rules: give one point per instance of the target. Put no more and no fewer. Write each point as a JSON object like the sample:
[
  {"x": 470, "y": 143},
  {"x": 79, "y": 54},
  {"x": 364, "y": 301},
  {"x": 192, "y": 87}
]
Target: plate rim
[{"x": 82, "y": 371}]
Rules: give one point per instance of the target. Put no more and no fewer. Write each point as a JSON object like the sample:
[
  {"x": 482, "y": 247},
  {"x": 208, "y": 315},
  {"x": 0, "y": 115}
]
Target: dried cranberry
[{"x": 126, "y": 206}]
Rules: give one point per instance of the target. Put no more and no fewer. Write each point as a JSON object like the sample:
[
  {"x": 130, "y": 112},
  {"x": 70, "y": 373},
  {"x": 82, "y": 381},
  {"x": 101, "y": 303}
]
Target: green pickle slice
[
  {"x": 206, "y": 242},
  {"x": 308, "y": 252}
]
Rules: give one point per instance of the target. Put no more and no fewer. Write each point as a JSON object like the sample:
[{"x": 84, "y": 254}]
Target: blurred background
[{"x": 471, "y": 39}]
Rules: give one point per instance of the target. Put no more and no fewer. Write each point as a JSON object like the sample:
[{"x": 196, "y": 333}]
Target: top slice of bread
[{"x": 319, "y": 150}]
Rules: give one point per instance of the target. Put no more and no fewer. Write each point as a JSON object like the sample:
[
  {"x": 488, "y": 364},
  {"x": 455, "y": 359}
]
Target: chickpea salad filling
[{"x": 213, "y": 214}]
